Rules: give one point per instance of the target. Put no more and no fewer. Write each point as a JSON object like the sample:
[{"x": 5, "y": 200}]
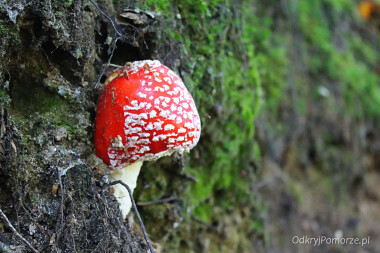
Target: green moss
[
  {"x": 222, "y": 71},
  {"x": 4, "y": 99},
  {"x": 349, "y": 65},
  {"x": 161, "y": 6},
  {"x": 237, "y": 63},
  {"x": 339, "y": 5},
  {"x": 27, "y": 100},
  {"x": 361, "y": 50},
  {"x": 62, "y": 3},
  {"x": 10, "y": 38},
  {"x": 33, "y": 104}
]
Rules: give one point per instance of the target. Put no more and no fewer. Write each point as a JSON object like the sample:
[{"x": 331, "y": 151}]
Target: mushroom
[{"x": 144, "y": 112}]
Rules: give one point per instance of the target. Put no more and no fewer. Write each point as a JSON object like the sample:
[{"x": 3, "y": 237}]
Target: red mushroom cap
[{"x": 144, "y": 112}]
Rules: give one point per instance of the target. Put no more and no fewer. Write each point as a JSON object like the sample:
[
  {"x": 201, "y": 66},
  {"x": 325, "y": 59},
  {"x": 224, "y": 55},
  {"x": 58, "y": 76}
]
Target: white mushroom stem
[{"x": 129, "y": 176}]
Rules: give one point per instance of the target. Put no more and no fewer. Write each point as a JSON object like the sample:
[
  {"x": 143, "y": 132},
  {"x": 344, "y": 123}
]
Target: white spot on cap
[
  {"x": 156, "y": 101},
  {"x": 144, "y": 149},
  {"x": 181, "y": 138},
  {"x": 160, "y": 137},
  {"x": 164, "y": 114},
  {"x": 152, "y": 114},
  {"x": 135, "y": 66},
  {"x": 151, "y": 97},
  {"x": 143, "y": 141},
  {"x": 168, "y": 80},
  {"x": 185, "y": 105},
  {"x": 173, "y": 107},
  {"x": 113, "y": 162},
  {"x": 179, "y": 120},
  {"x": 141, "y": 95},
  {"x": 181, "y": 130},
  {"x": 179, "y": 82},
  {"x": 158, "y": 125},
  {"x": 149, "y": 126},
  {"x": 144, "y": 115},
  {"x": 169, "y": 127},
  {"x": 177, "y": 90},
  {"x": 189, "y": 125},
  {"x": 166, "y": 87},
  {"x": 176, "y": 100},
  {"x": 172, "y": 116},
  {"x": 163, "y": 136},
  {"x": 132, "y": 130}
]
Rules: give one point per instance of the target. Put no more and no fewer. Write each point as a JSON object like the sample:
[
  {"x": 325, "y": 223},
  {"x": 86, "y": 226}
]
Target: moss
[
  {"x": 339, "y": 5},
  {"x": 224, "y": 77},
  {"x": 237, "y": 63},
  {"x": 10, "y": 38},
  {"x": 35, "y": 109},
  {"x": 5, "y": 100},
  {"x": 349, "y": 65},
  {"x": 62, "y": 4}
]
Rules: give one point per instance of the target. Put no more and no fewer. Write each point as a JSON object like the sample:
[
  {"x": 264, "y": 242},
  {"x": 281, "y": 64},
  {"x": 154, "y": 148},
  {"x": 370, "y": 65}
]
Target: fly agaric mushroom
[{"x": 144, "y": 112}]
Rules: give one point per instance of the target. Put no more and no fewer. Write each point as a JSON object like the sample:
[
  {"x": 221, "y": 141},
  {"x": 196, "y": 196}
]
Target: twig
[
  {"x": 159, "y": 201},
  {"x": 119, "y": 35},
  {"x": 108, "y": 62},
  {"x": 5, "y": 218},
  {"x": 189, "y": 177},
  {"x": 108, "y": 17},
  {"x": 113, "y": 65},
  {"x": 136, "y": 211}
]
